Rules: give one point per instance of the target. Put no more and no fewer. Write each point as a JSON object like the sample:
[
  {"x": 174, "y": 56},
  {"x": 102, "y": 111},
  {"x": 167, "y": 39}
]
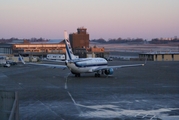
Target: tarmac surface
[{"x": 137, "y": 93}]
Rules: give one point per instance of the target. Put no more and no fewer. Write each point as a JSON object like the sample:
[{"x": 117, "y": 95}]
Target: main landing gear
[
  {"x": 77, "y": 75},
  {"x": 97, "y": 75}
]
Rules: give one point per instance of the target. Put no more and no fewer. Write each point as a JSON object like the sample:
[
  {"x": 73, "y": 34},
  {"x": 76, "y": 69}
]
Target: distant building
[
  {"x": 79, "y": 39},
  {"x": 6, "y": 49},
  {"x": 160, "y": 56},
  {"x": 39, "y": 48},
  {"x": 81, "y": 52},
  {"x": 28, "y": 48}
]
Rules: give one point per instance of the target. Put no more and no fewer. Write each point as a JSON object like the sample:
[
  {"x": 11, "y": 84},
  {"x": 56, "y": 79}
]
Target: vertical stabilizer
[
  {"x": 69, "y": 52},
  {"x": 21, "y": 59}
]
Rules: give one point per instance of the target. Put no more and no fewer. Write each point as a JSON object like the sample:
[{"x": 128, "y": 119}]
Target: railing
[{"x": 15, "y": 109}]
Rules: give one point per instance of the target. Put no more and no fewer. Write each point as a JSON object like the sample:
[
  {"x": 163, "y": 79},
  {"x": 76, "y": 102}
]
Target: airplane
[
  {"x": 3, "y": 62},
  {"x": 77, "y": 66}
]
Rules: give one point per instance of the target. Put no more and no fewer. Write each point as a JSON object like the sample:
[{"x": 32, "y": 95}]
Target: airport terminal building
[
  {"x": 36, "y": 48},
  {"x": 32, "y": 48},
  {"x": 160, "y": 56}
]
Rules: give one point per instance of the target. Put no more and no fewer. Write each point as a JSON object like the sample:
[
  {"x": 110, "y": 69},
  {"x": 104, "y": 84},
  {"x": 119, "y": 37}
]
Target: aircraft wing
[
  {"x": 54, "y": 60},
  {"x": 116, "y": 67},
  {"x": 48, "y": 65}
]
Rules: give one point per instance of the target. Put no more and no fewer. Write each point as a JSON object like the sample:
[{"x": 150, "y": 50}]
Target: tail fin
[
  {"x": 69, "y": 52},
  {"x": 21, "y": 59}
]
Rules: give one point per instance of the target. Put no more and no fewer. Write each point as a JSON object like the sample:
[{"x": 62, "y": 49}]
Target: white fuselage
[{"x": 86, "y": 65}]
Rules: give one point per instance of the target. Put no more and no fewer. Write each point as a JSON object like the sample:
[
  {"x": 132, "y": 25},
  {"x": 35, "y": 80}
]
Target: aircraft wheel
[
  {"x": 77, "y": 75},
  {"x": 97, "y": 75}
]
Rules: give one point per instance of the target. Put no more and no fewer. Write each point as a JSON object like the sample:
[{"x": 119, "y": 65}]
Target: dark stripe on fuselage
[
  {"x": 90, "y": 65},
  {"x": 68, "y": 52}
]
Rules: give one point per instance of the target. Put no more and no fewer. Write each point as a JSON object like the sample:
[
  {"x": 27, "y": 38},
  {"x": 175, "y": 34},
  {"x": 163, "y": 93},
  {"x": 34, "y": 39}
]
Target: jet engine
[{"x": 109, "y": 71}]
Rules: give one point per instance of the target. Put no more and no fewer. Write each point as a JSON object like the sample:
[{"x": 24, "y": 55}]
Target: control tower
[{"x": 79, "y": 39}]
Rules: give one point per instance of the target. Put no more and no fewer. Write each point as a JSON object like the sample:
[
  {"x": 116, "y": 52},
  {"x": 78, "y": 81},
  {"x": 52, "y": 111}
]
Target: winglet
[{"x": 21, "y": 59}]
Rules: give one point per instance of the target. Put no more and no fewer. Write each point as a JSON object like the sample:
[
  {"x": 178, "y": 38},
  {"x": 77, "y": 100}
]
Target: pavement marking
[
  {"x": 66, "y": 82},
  {"x": 66, "y": 87},
  {"x": 49, "y": 108},
  {"x": 71, "y": 97}
]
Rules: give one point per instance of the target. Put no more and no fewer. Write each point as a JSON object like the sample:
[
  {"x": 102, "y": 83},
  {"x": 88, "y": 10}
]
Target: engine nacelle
[{"x": 109, "y": 71}]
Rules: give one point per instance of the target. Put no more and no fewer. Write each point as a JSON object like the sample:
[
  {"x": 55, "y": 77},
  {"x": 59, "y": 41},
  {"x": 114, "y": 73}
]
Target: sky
[{"x": 105, "y": 19}]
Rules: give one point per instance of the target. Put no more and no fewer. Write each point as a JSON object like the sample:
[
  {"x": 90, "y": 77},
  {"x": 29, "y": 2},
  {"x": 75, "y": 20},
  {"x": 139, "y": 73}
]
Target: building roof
[
  {"x": 51, "y": 41},
  {"x": 159, "y": 53},
  {"x": 5, "y": 45}
]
